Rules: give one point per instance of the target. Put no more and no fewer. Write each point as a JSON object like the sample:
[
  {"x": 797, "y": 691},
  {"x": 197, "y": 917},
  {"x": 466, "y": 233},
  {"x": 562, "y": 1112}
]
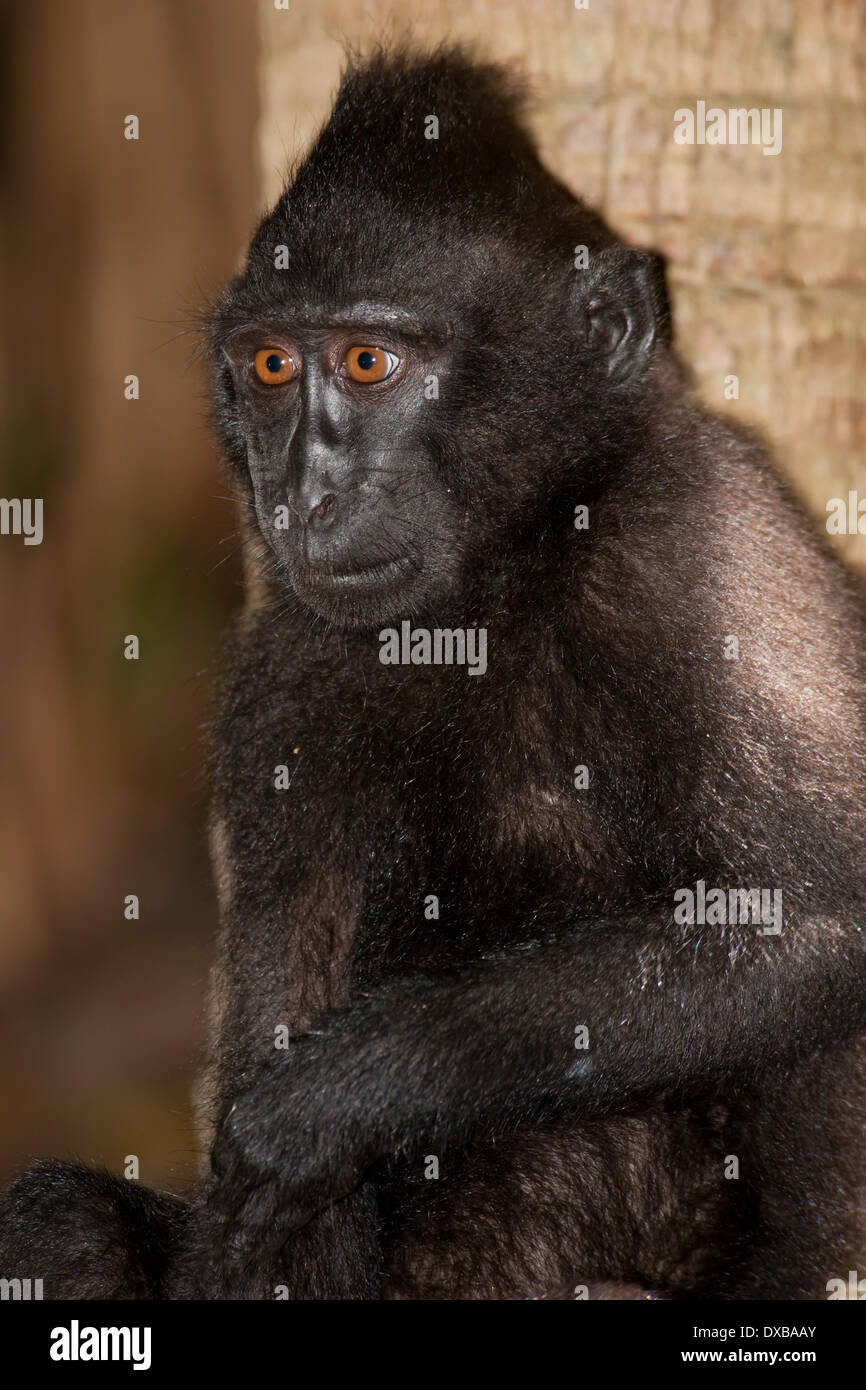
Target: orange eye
[
  {"x": 369, "y": 363},
  {"x": 273, "y": 366}
]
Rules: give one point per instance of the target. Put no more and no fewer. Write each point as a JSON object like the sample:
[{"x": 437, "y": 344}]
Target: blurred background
[{"x": 111, "y": 247}]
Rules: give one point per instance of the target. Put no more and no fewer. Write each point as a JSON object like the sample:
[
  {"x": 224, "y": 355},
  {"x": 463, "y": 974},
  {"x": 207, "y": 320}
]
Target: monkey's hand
[{"x": 300, "y": 1138}]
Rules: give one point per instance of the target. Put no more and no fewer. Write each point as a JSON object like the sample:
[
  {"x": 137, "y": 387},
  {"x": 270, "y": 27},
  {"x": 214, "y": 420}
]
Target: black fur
[{"x": 455, "y": 1037}]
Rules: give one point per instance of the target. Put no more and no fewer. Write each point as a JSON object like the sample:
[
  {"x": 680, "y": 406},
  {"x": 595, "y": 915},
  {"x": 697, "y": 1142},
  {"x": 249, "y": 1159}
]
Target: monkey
[{"x": 546, "y": 980}]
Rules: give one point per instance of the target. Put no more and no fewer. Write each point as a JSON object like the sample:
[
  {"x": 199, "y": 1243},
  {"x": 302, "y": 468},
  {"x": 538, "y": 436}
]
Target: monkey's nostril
[{"x": 323, "y": 513}]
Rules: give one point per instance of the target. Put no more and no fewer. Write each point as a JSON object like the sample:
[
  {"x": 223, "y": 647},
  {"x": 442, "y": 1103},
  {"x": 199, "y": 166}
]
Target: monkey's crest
[{"x": 422, "y": 156}]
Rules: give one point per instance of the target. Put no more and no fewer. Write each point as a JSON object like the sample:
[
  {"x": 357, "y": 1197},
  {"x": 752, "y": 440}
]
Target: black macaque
[{"x": 460, "y": 888}]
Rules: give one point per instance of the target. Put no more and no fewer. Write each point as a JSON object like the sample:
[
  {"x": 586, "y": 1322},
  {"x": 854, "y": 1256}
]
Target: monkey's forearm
[
  {"x": 628, "y": 1009},
  {"x": 624, "y": 1010}
]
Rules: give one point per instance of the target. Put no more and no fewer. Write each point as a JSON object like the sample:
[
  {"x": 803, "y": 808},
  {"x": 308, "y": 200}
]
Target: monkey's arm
[
  {"x": 424, "y": 1062},
  {"x": 288, "y": 972}
]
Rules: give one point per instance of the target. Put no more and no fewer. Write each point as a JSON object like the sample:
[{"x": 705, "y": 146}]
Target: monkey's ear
[{"x": 624, "y": 304}]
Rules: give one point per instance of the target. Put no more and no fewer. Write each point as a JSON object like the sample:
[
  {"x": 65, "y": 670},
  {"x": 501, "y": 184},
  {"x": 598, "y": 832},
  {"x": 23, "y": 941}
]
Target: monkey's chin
[{"x": 361, "y": 597}]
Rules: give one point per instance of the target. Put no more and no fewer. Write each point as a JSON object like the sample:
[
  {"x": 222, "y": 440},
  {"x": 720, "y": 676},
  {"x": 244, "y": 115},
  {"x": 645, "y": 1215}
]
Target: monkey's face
[{"x": 337, "y": 417}]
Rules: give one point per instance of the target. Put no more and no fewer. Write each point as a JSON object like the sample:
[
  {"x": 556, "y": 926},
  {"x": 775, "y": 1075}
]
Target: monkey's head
[{"x": 425, "y": 345}]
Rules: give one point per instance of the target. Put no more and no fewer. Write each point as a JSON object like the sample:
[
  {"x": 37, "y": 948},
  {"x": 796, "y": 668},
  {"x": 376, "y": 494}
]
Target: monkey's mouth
[{"x": 379, "y": 576}]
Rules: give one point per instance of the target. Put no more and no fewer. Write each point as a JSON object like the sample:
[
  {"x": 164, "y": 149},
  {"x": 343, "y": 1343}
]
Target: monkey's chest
[{"x": 463, "y": 872}]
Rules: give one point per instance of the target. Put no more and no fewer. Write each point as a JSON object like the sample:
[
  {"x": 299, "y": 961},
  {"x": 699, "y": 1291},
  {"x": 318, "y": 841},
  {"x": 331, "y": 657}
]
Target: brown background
[{"x": 111, "y": 247}]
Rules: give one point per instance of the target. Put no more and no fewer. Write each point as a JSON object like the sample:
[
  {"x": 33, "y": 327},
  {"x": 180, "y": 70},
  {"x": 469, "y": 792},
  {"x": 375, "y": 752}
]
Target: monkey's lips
[{"x": 378, "y": 576}]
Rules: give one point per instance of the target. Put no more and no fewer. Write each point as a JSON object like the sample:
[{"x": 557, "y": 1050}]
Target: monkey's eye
[
  {"x": 369, "y": 363},
  {"x": 273, "y": 366}
]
